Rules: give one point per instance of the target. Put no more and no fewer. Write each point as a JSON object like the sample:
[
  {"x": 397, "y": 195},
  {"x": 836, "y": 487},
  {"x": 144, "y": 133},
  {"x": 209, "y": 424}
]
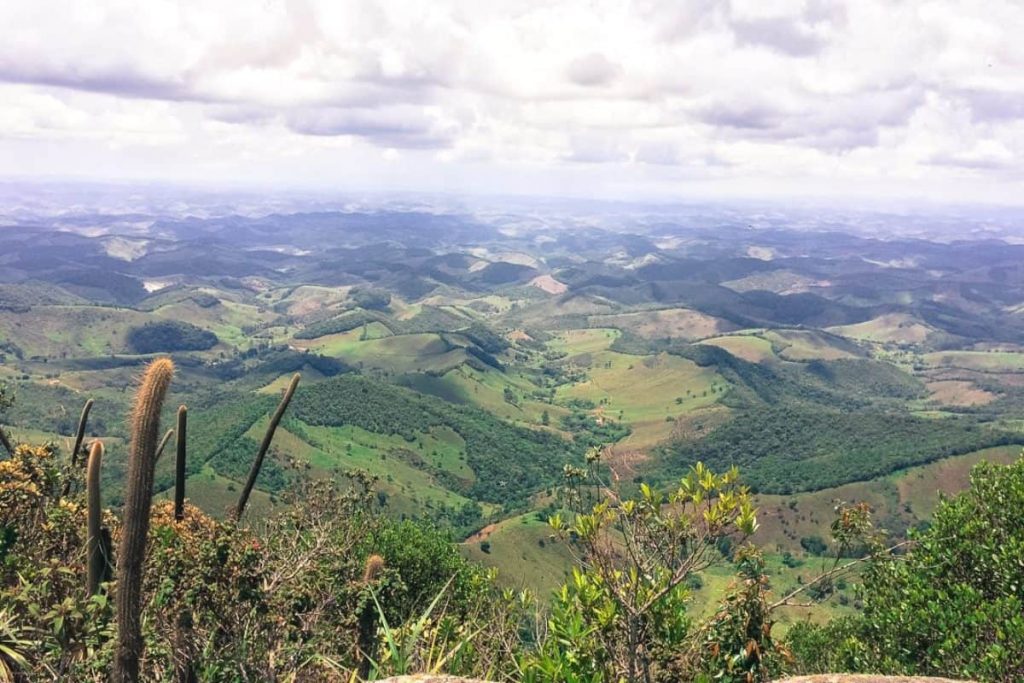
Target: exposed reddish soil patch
[
  {"x": 959, "y": 393},
  {"x": 623, "y": 462},
  {"x": 697, "y": 424},
  {"x": 482, "y": 535},
  {"x": 549, "y": 284}
]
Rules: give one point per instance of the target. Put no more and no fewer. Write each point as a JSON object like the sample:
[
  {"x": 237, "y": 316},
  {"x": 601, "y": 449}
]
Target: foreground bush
[
  {"x": 202, "y": 599},
  {"x": 232, "y": 602},
  {"x": 953, "y": 605},
  {"x": 624, "y": 614}
]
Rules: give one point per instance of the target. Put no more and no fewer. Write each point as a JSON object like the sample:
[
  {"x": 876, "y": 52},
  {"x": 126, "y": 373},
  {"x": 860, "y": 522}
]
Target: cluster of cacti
[
  {"x": 143, "y": 454},
  {"x": 145, "y": 446}
]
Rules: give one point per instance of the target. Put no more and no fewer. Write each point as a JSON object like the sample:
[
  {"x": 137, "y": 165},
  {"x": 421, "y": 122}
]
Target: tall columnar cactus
[
  {"x": 94, "y": 539},
  {"x": 267, "y": 438},
  {"x": 138, "y": 498},
  {"x": 163, "y": 443},
  {"x": 6, "y": 442},
  {"x": 80, "y": 434},
  {"x": 79, "y": 437},
  {"x": 179, "y": 464}
]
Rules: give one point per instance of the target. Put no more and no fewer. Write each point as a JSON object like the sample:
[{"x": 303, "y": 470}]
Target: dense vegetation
[
  {"x": 370, "y": 298},
  {"x": 170, "y": 335},
  {"x": 330, "y": 586},
  {"x": 345, "y": 322},
  {"x": 849, "y": 383},
  {"x": 510, "y": 462},
  {"x": 281, "y": 602},
  {"x": 271, "y": 362},
  {"x": 788, "y": 448}
]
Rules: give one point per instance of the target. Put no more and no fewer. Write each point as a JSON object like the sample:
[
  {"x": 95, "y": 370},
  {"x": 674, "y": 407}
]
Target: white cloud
[{"x": 745, "y": 94}]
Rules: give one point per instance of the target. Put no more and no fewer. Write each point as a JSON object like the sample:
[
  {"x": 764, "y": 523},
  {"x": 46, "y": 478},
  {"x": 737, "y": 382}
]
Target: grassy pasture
[
  {"x": 983, "y": 361},
  {"x": 899, "y": 500},
  {"x": 746, "y": 346},
  {"x": 215, "y": 494},
  {"x": 402, "y": 467},
  {"x": 807, "y": 345},
  {"x": 574, "y": 342},
  {"x": 277, "y": 387},
  {"x": 522, "y": 552},
  {"x": 398, "y": 354},
  {"x": 677, "y": 323},
  {"x": 70, "y": 331},
  {"x": 778, "y": 281},
  {"x": 307, "y": 299},
  {"x": 643, "y": 391},
  {"x": 486, "y": 389},
  {"x": 897, "y": 328},
  {"x": 227, "y": 319}
]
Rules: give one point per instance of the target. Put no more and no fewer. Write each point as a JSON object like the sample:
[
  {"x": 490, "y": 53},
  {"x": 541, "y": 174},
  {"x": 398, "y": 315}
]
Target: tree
[
  {"x": 622, "y": 615},
  {"x": 814, "y": 544}
]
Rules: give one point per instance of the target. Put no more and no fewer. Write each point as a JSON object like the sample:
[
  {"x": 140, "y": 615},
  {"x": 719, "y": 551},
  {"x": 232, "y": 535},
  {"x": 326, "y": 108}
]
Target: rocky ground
[{"x": 819, "y": 678}]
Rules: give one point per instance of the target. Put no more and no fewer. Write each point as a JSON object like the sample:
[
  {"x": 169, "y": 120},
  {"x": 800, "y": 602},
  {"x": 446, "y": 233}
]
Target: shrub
[
  {"x": 953, "y": 605},
  {"x": 814, "y": 544},
  {"x": 622, "y": 616}
]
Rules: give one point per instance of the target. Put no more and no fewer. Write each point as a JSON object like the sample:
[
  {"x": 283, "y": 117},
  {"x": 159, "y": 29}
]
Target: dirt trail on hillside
[{"x": 482, "y": 535}]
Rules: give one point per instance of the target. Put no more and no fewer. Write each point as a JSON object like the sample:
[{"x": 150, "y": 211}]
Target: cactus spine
[
  {"x": 138, "y": 498},
  {"x": 94, "y": 540},
  {"x": 267, "y": 438},
  {"x": 179, "y": 464}
]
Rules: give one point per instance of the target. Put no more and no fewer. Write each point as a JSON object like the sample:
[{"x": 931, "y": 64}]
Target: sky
[{"x": 649, "y": 99}]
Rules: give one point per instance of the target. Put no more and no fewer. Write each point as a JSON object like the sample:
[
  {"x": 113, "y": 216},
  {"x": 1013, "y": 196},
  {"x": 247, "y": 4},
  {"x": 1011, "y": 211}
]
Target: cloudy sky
[{"x": 641, "y": 99}]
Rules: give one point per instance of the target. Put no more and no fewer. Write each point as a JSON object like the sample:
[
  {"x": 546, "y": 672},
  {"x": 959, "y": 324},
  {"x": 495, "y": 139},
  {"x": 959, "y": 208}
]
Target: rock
[
  {"x": 866, "y": 678},
  {"x": 427, "y": 678},
  {"x": 817, "y": 678}
]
